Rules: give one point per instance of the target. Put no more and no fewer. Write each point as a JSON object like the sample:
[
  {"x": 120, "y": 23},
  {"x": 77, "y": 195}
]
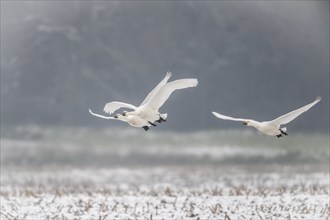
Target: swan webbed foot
[
  {"x": 146, "y": 128},
  {"x": 279, "y": 135},
  {"x": 160, "y": 120}
]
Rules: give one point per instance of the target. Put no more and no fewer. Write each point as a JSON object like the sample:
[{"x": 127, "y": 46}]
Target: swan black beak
[
  {"x": 115, "y": 116},
  {"x": 124, "y": 114},
  {"x": 245, "y": 123}
]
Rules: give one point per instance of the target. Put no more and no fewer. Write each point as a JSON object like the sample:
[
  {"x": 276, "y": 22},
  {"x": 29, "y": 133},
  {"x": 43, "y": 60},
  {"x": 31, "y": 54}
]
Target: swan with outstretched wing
[
  {"x": 272, "y": 128},
  {"x": 149, "y": 108},
  {"x": 111, "y": 107}
]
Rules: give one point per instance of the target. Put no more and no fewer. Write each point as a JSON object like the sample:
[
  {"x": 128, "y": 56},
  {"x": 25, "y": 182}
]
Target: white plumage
[
  {"x": 148, "y": 112},
  {"x": 149, "y": 108},
  {"x": 273, "y": 127},
  {"x": 132, "y": 120},
  {"x": 111, "y": 107}
]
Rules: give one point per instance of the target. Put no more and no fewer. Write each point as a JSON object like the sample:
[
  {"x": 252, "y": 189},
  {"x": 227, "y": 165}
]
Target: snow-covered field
[
  {"x": 138, "y": 175},
  {"x": 163, "y": 193}
]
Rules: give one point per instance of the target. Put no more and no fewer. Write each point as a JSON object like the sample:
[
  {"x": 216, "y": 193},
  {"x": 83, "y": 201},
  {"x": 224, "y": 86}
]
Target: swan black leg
[
  {"x": 279, "y": 135},
  {"x": 160, "y": 120},
  {"x": 283, "y": 132},
  {"x": 152, "y": 123},
  {"x": 146, "y": 128}
]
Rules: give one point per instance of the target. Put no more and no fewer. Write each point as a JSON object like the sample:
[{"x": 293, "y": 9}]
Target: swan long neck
[{"x": 255, "y": 124}]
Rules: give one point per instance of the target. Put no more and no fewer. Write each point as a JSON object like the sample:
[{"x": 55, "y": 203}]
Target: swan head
[
  {"x": 124, "y": 113},
  {"x": 246, "y": 123}
]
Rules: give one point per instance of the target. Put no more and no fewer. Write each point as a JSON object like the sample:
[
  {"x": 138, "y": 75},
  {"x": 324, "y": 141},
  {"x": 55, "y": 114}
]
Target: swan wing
[
  {"x": 166, "y": 90},
  {"x": 111, "y": 107},
  {"x": 105, "y": 117},
  {"x": 224, "y": 117},
  {"x": 284, "y": 119},
  {"x": 155, "y": 90}
]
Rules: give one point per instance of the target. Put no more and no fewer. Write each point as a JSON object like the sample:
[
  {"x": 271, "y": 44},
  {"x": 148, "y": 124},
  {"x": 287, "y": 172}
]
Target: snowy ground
[
  {"x": 163, "y": 193},
  {"x": 186, "y": 176}
]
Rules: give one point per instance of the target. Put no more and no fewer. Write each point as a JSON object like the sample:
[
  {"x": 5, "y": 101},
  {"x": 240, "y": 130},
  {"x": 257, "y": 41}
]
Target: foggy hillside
[{"x": 253, "y": 59}]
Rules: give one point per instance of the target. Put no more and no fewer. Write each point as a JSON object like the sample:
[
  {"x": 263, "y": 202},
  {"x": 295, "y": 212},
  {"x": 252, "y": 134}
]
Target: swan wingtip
[{"x": 196, "y": 82}]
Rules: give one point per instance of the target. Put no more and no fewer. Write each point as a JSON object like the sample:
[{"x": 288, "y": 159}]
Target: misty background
[{"x": 253, "y": 59}]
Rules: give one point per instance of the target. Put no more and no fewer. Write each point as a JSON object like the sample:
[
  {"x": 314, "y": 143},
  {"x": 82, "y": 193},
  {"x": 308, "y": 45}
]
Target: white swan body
[
  {"x": 149, "y": 108},
  {"x": 272, "y": 128},
  {"x": 111, "y": 107},
  {"x": 133, "y": 120}
]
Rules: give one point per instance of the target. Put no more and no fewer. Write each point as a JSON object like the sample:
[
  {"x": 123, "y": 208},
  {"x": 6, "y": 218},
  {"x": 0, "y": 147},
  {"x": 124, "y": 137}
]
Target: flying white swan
[
  {"x": 272, "y": 128},
  {"x": 149, "y": 108},
  {"x": 132, "y": 120},
  {"x": 111, "y": 107}
]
